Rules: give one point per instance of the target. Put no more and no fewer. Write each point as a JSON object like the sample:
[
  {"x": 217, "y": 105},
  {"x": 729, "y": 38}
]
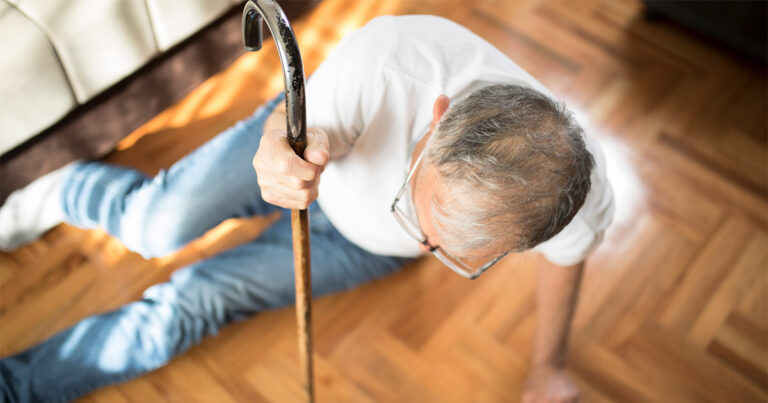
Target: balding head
[{"x": 513, "y": 170}]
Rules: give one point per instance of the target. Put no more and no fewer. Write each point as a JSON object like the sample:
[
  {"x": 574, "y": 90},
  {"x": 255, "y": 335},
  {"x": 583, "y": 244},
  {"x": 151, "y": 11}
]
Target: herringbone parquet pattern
[{"x": 674, "y": 304}]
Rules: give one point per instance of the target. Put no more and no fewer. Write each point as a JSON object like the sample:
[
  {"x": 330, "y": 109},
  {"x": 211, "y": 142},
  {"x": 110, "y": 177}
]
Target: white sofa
[{"x": 58, "y": 54}]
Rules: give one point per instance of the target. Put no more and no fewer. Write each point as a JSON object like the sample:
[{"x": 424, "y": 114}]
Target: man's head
[{"x": 505, "y": 168}]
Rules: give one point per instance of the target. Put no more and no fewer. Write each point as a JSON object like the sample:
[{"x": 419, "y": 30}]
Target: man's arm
[{"x": 556, "y": 297}]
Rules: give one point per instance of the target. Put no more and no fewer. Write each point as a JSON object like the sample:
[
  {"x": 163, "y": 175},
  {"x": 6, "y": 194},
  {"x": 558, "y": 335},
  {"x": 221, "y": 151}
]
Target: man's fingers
[
  {"x": 284, "y": 160},
  {"x": 289, "y": 182},
  {"x": 293, "y": 165},
  {"x": 318, "y": 147},
  {"x": 289, "y": 198}
]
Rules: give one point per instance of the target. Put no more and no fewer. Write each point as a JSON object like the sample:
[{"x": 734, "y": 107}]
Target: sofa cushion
[
  {"x": 175, "y": 20},
  {"x": 98, "y": 41},
  {"x": 34, "y": 90}
]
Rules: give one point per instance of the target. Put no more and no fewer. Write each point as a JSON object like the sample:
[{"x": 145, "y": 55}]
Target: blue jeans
[{"x": 155, "y": 216}]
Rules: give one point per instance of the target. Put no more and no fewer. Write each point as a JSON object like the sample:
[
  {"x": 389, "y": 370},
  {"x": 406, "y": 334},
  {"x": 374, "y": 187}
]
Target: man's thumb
[{"x": 318, "y": 150}]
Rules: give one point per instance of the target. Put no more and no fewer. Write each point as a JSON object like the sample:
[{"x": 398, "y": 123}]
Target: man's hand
[
  {"x": 556, "y": 296},
  {"x": 285, "y": 179},
  {"x": 550, "y": 385}
]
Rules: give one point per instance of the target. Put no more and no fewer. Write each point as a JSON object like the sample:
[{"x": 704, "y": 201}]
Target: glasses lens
[
  {"x": 407, "y": 223},
  {"x": 406, "y": 214}
]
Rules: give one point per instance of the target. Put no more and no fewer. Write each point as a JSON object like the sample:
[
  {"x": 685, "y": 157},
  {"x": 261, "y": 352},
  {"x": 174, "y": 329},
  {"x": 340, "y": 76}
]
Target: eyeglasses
[{"x": 405, "y": 214}]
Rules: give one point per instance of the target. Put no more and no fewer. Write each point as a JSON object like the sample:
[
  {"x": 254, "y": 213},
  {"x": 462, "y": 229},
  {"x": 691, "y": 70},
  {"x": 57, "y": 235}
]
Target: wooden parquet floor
[{"x": 674, "y": 304}]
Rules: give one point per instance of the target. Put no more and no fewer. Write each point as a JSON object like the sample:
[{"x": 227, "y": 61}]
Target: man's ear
[{"x": 438, "y": 109}]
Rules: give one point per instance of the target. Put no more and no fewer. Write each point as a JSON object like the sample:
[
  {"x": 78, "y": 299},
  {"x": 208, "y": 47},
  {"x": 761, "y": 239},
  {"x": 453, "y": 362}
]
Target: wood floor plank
[
  {"x": 743, "y": 347},
  {"x": 697, "y": 377},
  {"x": 748, "y": 269},
  {"x": 707, "y": 274},
  {"x": 609, "y": 373}
]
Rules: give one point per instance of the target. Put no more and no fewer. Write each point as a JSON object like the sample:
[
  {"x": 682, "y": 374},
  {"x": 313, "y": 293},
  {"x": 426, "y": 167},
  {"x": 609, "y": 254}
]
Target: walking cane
[{"x": 293, "y": 73}]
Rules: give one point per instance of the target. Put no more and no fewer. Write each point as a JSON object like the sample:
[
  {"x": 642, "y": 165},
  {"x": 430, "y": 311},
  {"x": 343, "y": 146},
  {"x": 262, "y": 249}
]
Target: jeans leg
[
  {"x": 156, "y": 216},
  {"x": 173, "y": 316}
]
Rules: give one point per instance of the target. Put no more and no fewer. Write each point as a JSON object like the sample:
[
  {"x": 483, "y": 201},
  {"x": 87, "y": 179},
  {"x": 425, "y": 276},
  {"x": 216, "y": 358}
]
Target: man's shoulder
[
  {"x": 421, "y": 21},
  {"x": 409, "y": 29}
]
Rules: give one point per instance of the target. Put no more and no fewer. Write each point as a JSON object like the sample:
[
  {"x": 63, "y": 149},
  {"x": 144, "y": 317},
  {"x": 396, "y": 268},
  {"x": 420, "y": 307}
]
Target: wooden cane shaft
[{"x": 300, "y": 229}]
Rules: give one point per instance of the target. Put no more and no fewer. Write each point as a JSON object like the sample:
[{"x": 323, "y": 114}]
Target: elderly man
[{"x": 427, "y": 139}]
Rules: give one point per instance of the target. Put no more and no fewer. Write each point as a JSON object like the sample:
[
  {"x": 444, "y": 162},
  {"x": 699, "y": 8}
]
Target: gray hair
[{"x": 513, "y": 168}]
